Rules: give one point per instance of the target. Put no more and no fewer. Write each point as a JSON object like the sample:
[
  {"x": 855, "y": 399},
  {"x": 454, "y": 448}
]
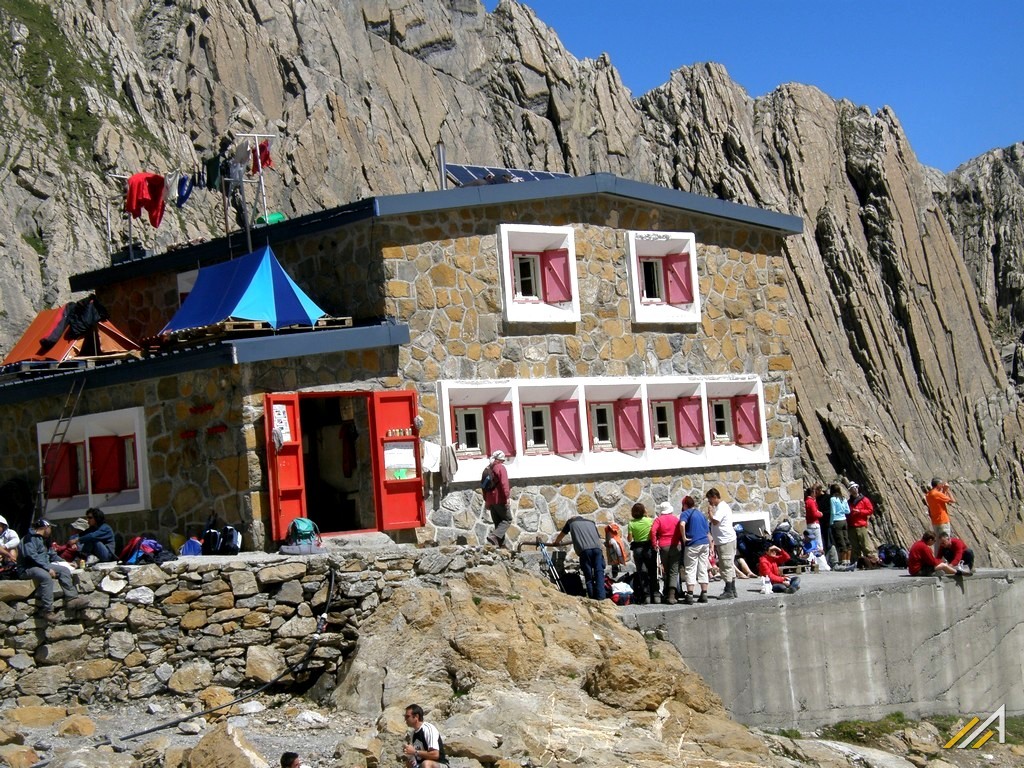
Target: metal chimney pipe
[{"x": 442, "y": 173}]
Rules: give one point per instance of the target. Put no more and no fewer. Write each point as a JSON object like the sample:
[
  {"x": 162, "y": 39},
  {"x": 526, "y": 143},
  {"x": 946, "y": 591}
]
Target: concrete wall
[{"x": 917, "y": 646}]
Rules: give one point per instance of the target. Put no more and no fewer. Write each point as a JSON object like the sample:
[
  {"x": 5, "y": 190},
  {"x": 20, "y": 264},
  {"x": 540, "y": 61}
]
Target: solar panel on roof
[{"x": 480, "y": 175}]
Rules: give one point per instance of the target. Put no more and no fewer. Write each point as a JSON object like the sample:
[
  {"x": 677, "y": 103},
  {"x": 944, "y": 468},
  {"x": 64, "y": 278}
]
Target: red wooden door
[
  {"x": 284, "y": 463},
  {"x": 397, "y": 472}
]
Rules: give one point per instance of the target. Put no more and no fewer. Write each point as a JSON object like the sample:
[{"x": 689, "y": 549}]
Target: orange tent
[{"x": 103, "y": 339}]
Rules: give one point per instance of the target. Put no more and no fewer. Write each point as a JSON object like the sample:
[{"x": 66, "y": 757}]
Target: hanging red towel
[
  {"x": 146, "y": 191},
  {"x": 263, "y": 159}
]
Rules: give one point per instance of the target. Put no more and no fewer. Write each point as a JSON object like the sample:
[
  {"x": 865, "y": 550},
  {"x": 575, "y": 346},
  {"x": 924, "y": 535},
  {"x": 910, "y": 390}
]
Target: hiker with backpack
[
  {"x": 494, "y": 484},
  {"x": 615, "y": 548}
]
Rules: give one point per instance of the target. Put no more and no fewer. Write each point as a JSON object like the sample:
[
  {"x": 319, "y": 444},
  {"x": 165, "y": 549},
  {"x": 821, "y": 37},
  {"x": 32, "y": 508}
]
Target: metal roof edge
[{"x": 224, "y": 352}]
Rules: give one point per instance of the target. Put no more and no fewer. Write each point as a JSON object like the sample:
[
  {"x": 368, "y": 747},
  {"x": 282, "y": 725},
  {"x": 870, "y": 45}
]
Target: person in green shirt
[{"x": 645, "y": 580}]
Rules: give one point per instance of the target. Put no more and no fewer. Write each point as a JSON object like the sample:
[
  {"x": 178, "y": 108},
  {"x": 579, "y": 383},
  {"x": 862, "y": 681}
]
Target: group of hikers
[
  {"x": 37, "y": 557},
  {"x": 677, "y": 554}
]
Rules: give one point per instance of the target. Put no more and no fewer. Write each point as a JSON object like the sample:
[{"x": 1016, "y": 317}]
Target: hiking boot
[
  {"x": 77, "y": 603},
  {"x": 670, "y": 598},
  {"x": 731, "y": 590},
  {"x": 656, "y": 598},
  {"x": 50, "y": 617},
  {"x": 688, "y": 598},
  {"x": 92, "y": 560},
  {"x": 703, "y": 597}
]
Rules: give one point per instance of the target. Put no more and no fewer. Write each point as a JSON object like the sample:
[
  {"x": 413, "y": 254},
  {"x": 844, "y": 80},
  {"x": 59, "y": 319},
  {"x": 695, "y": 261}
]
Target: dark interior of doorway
[{"x": 336, "y": 462}]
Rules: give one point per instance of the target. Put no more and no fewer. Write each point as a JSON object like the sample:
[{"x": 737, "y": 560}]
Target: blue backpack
[{"x": 191, "y": 548}]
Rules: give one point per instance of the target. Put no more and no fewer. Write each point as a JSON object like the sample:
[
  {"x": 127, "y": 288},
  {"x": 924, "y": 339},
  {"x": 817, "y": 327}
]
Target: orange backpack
[{"x": 618, "y": 552}]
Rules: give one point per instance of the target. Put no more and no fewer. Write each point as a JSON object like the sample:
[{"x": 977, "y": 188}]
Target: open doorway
[
  {"x": 337, "y": 463},
  {"x": 349, "y": 461}
]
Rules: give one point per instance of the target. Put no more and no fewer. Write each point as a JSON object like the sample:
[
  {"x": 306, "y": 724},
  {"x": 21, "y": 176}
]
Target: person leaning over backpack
[{"x": 496, "y": 499}]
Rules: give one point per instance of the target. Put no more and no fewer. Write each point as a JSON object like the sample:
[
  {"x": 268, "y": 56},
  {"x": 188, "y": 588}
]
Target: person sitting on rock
[
  {"x": 922, "y": 560},
  {"x": 955, "y": 552},
  {"x": 769, "y": 566},
  {"x": 9, "y": 541},
  {"x": 37, "y": 562},
  {"x": 426, "y": 747},
  {"x": 97, "y": 542}
]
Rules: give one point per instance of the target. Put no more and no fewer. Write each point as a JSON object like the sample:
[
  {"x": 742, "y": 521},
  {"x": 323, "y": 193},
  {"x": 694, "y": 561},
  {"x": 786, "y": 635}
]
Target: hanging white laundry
[{"x": 171, "y": 186}]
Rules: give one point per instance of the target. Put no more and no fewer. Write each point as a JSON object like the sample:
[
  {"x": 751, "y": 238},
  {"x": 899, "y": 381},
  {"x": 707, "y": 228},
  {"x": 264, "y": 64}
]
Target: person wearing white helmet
[{"x": 9, "y": 542}]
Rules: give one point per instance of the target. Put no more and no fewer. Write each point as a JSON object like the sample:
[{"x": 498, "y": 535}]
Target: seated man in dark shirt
[{"x": 97, "y": 542}]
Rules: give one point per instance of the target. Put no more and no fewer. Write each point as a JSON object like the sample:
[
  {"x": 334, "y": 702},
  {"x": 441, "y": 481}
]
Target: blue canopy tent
[{"x": 251, "y": 287}]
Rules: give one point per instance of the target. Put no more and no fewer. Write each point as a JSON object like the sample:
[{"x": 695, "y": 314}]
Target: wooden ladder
[{"x": 60, "y": 431}]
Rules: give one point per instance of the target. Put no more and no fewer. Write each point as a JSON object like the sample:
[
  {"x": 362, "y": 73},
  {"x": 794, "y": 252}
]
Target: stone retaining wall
[{"x": 199, "y": 622}]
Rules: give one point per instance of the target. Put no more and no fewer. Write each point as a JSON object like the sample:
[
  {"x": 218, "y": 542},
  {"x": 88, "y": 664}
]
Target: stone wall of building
[
  {"x": 199, "y": 622},
  {"x": 442, "y": 278}
]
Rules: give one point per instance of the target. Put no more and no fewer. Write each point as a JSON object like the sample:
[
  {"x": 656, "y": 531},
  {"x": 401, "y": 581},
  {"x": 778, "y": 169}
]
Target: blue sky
[{"x": 952, "y": 72}]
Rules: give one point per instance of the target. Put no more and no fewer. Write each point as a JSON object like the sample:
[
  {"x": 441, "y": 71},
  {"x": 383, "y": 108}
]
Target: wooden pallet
[
  {"x": 796, "y": 569},
  {"x": 334, "y": 322}
]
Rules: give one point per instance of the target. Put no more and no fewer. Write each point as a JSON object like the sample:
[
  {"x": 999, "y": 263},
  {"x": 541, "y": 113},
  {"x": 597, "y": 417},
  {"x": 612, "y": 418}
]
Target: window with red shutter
[
  {"x": 689, "y": 422},
  {"x": 498, "y": 428},
  {"x": 556, "y": 276},
  {"x": 106, "y": 464},
  {"x": 60, "y": 465},
  {"x": 629, "y": 424},
  {"x": 746, "y": 420},
  {"x": 565, "y": 417},
  {"x": 678, "y": 280}
]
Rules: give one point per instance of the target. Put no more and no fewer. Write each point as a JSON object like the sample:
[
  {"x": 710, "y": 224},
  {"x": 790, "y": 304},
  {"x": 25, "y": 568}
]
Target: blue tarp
[{"x": 251, "y": 287}]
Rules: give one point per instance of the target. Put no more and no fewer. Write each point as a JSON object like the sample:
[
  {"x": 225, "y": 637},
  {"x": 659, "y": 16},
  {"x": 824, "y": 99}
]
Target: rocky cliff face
[{"x": 897, "y": 374}]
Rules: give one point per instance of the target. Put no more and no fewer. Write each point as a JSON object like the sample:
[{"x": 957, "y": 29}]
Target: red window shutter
[
  {"x": 678, "y": 284},
  {"x": 106, "y": 464},
  {"x": 565, "y": 424},
  {"x": 746, "y": 420},
  {"x": 629, "y": 430},
  {"x": 498, "y": 428},
  {"x": 61, "y": 470},
  {"x": 555, "y": 275},
  {"x": 689, "y": 425}
]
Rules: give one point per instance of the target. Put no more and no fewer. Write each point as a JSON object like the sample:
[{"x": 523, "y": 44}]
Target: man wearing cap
[
  {"x": 496, "y": 499},
  {"x": 69, "y": 550},
  {"x": 861, "y": 509},
  {"x": 9, "y": 541},
  {"x": 36, "y": 561}
]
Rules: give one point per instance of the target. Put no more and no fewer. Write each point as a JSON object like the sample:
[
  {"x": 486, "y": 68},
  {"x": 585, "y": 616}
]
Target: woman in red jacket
[{"x": 769, "y": 566}]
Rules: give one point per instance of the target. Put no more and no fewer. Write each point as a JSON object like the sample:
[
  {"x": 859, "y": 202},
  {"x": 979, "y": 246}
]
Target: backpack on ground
[
  {"x": 303, "y": 531},
  {"x": 191, "y": 548},
  {"x": 487, "y": 480},
  {"x": 303, "y": 538},
  {"x": 140, "y": 550},
  {"x": 230, "y": 541},
  {"x": 211, "y": 539}
]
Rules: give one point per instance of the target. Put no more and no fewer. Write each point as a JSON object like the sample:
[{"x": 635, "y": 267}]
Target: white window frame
[
  {"x": 670, "y": 418},
  {"x": 608, "y": 409},
  {"x": 643, "y": 246},
  {"x": 726, "y": 436},
  {"x": 544, "y": 412},
  {"x": 529, "y": 462},
  {"x": 533, "y": 259},
  {"x": 658, "y": 275},
  {"x": 529, "y": 241},
  {"x": 127, "y": 422},
  {"x": 462, "y": 449}
]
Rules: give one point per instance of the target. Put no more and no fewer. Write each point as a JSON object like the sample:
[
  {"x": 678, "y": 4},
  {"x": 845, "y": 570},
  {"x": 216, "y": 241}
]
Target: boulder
[
  {"x": 191, "y": 676},
  {"x": 225, "y": 747},
  {"x": 263, "y": 663}
]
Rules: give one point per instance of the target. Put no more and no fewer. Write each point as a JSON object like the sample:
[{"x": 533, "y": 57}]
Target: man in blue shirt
[{"x": 694, "y": 530}]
